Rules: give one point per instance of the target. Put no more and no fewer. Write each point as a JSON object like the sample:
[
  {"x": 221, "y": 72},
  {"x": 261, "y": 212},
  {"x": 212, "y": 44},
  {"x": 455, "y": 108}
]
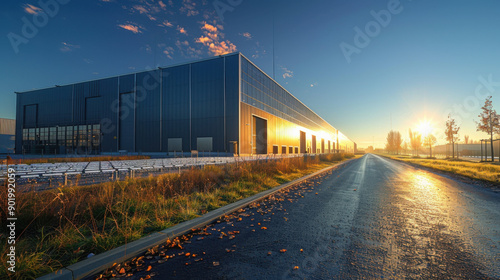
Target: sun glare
[{"x": 425, "y": 128}]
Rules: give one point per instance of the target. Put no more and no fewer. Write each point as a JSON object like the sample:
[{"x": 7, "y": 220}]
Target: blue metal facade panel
[
  {"x": 147, "y": 122},
  {"x": 126, "y": 122},
  {"x": 127, "y": 83},
  {"x": 108, "y": 114},
  {"x": 138, "y": 112},
  {"x": 207, "y": 102},
  {"x": 176, "y": 106},
  {"x": 232, "y": 100}
]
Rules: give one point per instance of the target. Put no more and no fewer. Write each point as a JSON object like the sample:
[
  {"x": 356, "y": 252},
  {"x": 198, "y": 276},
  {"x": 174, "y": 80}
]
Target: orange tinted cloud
[
  {"x": 130, "y": 27},
  {"x": 140, "y": 9},
  {"x": 221, "y": 48},
  {"x": 214, "y": 40},
  {"x": 33, "y": 10},
  {"x": 203, "y": 40},
  {"x": 209, "y": 28},
  {"x": 181, "y": 30}
]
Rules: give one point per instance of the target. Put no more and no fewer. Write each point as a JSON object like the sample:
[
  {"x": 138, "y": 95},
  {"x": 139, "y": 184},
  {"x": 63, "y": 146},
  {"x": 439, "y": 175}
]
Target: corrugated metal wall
[
  {"x": 141, "y": 112},
  {"x": 182, "y": 105}
]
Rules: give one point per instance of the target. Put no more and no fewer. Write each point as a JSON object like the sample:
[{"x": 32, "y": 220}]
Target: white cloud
[
  {"x": 246, "y": 35},
  {"x": 167, "y": 23},
  {"x": 68, "y": 47},
  {"x": 287, "y": 73},
  {"x": 189, "y": 8}
]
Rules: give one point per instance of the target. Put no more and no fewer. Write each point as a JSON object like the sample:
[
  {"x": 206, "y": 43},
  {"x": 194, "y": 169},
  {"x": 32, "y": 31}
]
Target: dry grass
[
  {"x": 60, "y": 227},
  {"x": 486, "y": 171}
]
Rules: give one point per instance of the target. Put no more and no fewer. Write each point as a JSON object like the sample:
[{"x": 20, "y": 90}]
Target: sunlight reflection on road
[{"x": 437, "y": 225}]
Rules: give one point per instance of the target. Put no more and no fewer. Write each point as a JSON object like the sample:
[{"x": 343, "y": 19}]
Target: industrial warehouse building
[
  {"x": 224, "y": 104},
  {"x": 7, "y": 132}
]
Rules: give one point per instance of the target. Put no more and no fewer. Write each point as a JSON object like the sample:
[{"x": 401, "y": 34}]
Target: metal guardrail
[{"x": 47, "y": 181}]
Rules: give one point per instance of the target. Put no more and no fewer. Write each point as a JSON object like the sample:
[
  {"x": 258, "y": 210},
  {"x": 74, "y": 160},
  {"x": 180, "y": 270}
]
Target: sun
[{"x": 425, "y": 128}]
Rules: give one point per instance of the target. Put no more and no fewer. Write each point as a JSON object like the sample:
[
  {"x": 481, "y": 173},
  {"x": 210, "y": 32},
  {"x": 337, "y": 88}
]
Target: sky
[{"x": 366, "y": 67}]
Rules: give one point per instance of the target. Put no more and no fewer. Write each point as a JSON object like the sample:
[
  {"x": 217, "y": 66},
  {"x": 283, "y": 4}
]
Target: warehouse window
[
  {"x": 63, "y": 139},
  {"x": 283, "y": 150},
  {"x": 296, "y": 150},
  {"x": 290, "y": 150},
  {"x": 275, "y": 149}
]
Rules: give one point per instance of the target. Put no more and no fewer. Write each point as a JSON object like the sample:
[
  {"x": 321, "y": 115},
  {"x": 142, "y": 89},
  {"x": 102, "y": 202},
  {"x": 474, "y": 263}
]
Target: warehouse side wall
[{"x": 176, "y": 109}]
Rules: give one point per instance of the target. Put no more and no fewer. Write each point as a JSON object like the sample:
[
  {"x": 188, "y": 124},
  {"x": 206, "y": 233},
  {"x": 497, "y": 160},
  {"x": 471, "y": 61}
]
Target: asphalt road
[{"x": 371, "y": 218}]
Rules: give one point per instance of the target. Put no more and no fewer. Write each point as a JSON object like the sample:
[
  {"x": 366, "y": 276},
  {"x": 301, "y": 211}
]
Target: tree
[
  {"x": 394, "y": 141},
  {"x": 429, "y": 141},
  {"x": 398, "y": 140},
  {"x": 489, "y": 122},
  {"x": 415, "y": 141},
  {"x": 451, "y": 133},
  {"x": 466, "y": 139}
]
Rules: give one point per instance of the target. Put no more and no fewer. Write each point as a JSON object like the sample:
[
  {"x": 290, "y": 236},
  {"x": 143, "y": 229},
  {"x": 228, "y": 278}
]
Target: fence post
[{"x": 65, "y": 179}]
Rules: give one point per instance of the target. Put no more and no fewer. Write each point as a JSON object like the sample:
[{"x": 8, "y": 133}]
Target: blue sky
[{"x": 358, "y": 68}]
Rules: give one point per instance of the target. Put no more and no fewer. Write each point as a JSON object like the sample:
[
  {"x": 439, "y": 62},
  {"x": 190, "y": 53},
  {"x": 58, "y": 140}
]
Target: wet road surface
[{"x": 371, "y": 218}]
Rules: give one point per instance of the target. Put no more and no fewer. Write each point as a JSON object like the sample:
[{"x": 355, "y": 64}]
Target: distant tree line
[{"x": 489, "y": 122}]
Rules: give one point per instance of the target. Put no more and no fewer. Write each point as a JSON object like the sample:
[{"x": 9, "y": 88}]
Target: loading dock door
[
  {"x": 259, "y": 135},
  {"x": 302, "y": 142},
  {"x": 322, "y": 146}
]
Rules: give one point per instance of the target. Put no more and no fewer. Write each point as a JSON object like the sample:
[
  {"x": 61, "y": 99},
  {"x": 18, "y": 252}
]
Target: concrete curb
[{"x": 102, "y": 261}]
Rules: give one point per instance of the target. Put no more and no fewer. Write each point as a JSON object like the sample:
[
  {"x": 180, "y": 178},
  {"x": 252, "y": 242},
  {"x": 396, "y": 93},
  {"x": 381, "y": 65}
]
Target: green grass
[
  {"x": 60, "y": 227},
  {"x": 485, "y": 171}
]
